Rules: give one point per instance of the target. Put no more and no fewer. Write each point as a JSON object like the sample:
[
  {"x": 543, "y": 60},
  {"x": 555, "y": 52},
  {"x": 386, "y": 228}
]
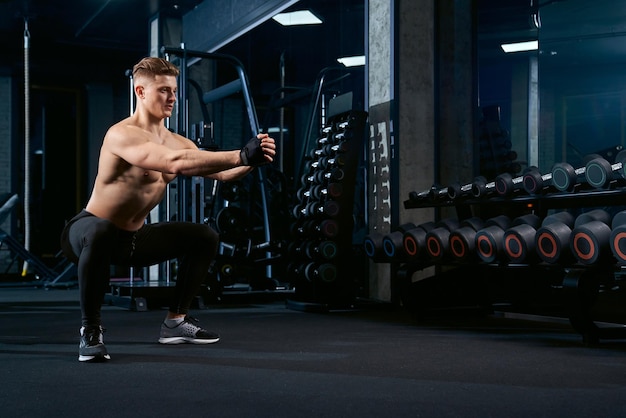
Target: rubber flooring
[{"x": 273, "y": 361}]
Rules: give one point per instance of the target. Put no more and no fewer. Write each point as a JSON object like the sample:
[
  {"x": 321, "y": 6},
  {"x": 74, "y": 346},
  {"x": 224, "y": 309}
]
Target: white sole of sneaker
[
  {"x": 183, "y": 340},
  {"x": 94, "y": 359}
]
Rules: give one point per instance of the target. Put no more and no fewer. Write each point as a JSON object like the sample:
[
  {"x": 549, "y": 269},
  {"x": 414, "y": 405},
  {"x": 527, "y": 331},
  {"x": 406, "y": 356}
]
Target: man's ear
[{"x": 139, "y": 91}]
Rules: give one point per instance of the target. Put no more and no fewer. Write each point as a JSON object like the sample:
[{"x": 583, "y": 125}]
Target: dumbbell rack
[
  {"x": 590, "y": 296},
  {"x": 322, "y": 218}
]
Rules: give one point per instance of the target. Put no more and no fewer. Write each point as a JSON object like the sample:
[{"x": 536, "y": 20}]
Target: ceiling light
[
  {"x": 520, "y": 46},
  {"x": 352, "y": 61},
  {"x": 300, "y": 17}
]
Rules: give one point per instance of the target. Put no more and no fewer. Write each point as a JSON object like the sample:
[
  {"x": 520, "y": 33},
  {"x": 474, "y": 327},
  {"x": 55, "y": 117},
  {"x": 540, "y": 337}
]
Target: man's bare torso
[{"x": 124, "y": 193}]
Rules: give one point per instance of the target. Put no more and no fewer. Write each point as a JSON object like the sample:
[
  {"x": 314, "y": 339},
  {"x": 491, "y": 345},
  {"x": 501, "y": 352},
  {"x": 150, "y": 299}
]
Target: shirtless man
[{"x": 138, "y": 158}]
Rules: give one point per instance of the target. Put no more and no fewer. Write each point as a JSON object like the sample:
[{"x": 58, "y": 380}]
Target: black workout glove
[{"x": 252, "y": 153}]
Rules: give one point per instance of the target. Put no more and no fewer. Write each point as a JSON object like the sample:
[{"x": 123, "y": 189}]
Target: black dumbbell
[
  {"x": 553, "y": 237},
  {"x": 618, "y": 237},
  {"x": 437, "y": 194},
  {"x": 321, "y": 250},
  {"x": 590, "y": 238},
  {"x": 601, "y": 174},
  {"x": 566, "y": 178},
  {"x": 463, "y": 239},
  {"x": 332, "y": 190},
  {"x": 373, "y": 247},
  {"x": 295, "y": 270},
  {"x": 433, "y": 194},
  {"x": 438, "y": 239},
  {"x": 506, "y": 184},
  {"x": 414, "y": 241},
  {"x": 326, "y": 272},
  {"x": 458, "y": 191},
  {"x": 418, "y": 197},
  {"x": 340, "y": 147},
  {"x": 393, "y": 242},
  {"x": 519, "y": 239},
  {"x": 535, "y": 183},
  {"x": 482, "y": 188},
  {"x": 489, "y": 240},
  {"x": 334, "y": 174},
  {"x": 327, "y": 228},
  {"x": 326, "y": 208}
]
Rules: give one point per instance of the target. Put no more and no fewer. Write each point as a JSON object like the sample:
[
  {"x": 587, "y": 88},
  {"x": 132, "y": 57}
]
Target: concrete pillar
[{"x": 421, "y": 78}]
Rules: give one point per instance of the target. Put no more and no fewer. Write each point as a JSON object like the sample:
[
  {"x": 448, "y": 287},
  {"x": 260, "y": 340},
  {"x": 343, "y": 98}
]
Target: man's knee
[{"x": 208, "y": 239}]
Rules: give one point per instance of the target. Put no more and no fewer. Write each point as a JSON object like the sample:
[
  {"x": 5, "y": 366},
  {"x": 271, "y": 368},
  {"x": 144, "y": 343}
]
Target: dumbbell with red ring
[
  {"x": 519, "y": 239},
  {"x": 553, "y": 237},
  {"x": 463, "y": 239},
  {"x": 489, "y": 240},
  {"x": 438, "y": 239},
  {"x": 618, "y": 237},
  {"x": 393, "y": 245},
  {"x": 590, "y": 238},
  {"x": 414, "y": 241}
]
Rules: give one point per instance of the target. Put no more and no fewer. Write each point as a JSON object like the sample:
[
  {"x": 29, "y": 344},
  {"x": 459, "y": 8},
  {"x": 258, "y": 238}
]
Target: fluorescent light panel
[
  {"x": 300, "y": 17},
  {"x": 520, "y": 46},
  {"x": 352, "y": 61}
]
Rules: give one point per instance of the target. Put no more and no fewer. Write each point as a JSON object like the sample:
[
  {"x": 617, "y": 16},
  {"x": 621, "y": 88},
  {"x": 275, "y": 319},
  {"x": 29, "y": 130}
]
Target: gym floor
[{"x": 273, "y": 361}]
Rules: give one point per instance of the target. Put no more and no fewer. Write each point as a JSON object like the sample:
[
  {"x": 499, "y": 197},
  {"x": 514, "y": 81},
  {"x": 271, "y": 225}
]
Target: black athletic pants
[{"x": 95, "y": 244}]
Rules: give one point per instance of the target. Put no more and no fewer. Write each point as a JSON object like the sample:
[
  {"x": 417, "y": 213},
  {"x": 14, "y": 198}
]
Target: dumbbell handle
[{"x": 433, "y": 194}]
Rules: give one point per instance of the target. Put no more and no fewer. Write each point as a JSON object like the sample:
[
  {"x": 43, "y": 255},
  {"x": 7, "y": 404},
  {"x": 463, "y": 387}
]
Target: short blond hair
[{"x": 152, "y": 66}]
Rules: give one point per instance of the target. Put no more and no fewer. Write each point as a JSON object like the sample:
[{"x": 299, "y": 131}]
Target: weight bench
[{"x": 62, "y": 275}]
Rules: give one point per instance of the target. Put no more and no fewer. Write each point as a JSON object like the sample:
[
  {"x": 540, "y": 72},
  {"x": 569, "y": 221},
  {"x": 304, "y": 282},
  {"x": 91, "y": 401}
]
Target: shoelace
[{"x": 192, "y": 321}]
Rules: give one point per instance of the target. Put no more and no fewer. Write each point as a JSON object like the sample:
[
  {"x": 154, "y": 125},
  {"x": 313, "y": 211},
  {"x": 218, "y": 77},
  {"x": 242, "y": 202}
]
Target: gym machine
[
  {"x": 61, "y": 275},
  {"x": 553, "y": 244}
]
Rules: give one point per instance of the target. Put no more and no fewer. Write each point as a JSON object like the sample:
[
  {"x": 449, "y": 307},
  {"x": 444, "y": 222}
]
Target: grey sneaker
[
  {"x": 91, "y": 347},
  {"x": 187, "y": 332}
]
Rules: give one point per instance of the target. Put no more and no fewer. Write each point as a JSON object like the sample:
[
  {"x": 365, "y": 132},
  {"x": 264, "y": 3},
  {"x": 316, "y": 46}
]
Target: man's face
[{"x": 158, "y": 95}]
